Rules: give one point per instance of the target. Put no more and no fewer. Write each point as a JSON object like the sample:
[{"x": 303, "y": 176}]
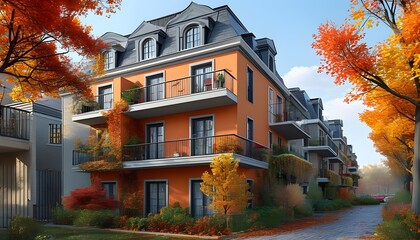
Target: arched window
[
  {"x": 108, "y": 60},
  {"x": 192, "y": 37},
  {"x": 149, "y": 49}
]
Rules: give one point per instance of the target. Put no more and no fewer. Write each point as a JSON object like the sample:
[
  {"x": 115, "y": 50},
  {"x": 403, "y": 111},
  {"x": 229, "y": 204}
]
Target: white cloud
[
  {"x": 322, "y": 86},
  {"x": 314, "y": 83}
]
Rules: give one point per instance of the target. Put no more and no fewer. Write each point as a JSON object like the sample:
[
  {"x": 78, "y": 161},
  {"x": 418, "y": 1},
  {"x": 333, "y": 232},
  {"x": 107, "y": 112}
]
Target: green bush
[
  {"x": 95, "y": 218},
  {"x": 137, "y": 223},
  {"x": 331, "y": 205},
  {"x": 208, "y": 225},
  {"x": 62, "y": 216},
  {"x": 390, "y": 230},
  {"x": 23, "y": 228},
  {"x": 304, "y": 209},
  {"x": 314, "y": 192},
  {"x": 170, "y": 219},
  {"x": 401, "y": 197},
  {"x": 365, "y": 200}
]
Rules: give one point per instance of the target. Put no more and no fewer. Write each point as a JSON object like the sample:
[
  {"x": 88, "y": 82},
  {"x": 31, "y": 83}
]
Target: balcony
[
  {"x": 284, "y": 123},
  {"x": 90, "y": 112},
  {"x": 323, "y": 146},
  {"x": 14, "y": 129},
  {"x": 209, "y": 90},
  {"x": 323, "y": 176},
  {"x": 185, "y": 152}
]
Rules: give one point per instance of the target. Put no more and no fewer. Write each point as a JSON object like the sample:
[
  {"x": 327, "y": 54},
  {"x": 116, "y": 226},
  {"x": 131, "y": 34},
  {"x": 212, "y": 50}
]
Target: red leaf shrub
[{"x": 93, "y": 197}]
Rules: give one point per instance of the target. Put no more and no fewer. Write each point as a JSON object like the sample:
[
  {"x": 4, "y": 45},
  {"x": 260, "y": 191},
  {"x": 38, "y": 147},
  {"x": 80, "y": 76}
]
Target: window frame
[
  {"x": 250, "y": 84},
  {"x": 250, "y": 120},
  {"x": 115, "y": 197},
  {"x": 195, "y": 43},
  {"x": 146, "y": 196},
  {"x": 108, "y": 65},
  {"x": 54, "y": 130},
  {"x": 142, "y": 48}
]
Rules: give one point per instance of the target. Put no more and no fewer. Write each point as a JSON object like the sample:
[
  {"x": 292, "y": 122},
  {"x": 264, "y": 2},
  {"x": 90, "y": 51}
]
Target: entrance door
[
  {"x": 202, "y": 79},
  {"x": 202, "y": 134},
  {"x": 155, "y": 140}
]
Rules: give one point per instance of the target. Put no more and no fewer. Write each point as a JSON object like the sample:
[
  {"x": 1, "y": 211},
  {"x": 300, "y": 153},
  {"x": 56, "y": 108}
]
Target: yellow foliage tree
[{"x": 226, "y": 188}]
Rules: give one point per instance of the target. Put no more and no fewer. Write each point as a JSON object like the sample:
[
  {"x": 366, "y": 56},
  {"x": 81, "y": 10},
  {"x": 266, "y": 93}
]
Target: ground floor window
[
  {"x": 199, "y": 201},
  {"x": 110, "y": 189},
  {"x": 251, "y": 190},
  {"x": 155, "y": 196}
]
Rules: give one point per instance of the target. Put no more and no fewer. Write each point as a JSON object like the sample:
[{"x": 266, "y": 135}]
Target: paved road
[{"x": 352, "y": 224}]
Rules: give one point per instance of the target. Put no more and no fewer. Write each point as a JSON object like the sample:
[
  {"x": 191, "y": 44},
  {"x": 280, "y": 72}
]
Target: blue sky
[{"x": 291, "y": 25}]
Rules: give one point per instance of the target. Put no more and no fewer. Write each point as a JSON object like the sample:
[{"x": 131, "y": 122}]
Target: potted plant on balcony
[
  {"x": 83, "y": 105},
  {"x": 132, "y": 95},
  {"x": 228, "y": 146}
]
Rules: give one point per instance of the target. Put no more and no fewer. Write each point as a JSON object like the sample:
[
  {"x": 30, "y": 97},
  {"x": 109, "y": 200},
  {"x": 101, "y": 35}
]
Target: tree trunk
[
  {"x": 407, "y": 181},
  {"x": 415, "y": 204}
]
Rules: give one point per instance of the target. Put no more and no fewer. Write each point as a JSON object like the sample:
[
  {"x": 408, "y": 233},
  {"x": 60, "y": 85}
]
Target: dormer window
[
  {"x": 149, "y": 49},
  {"x": 109, "y": 60},
  {"x": 192, "y": 37}
]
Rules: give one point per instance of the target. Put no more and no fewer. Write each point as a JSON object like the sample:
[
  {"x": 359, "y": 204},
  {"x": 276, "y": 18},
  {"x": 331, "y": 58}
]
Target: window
[
  {"x": 105, "y": 97},
  {"x": 278, "y": 109},
  {"x": 155, "y": 87},
  {"x": 199, "y": 201},
  {"x": 155, "y": 146},
  {"x": 149, "y": 49},
  {"x": 271, "y": 63},
  {"x": 250, "y": 190},
  {"x": 250, "y": 129},
  {"x": 250, "y": 85},
  {"x": 155, "y": 196},
  {"x": 202, "y": 79},
  {"x": 55, "y": 133},
  {"x": 202, "y": 134},
  {"x": 278, "y": 141},
  {"x": 192, "y": 37},
  {"x": 109, "y": 60},
  {"x": 270, "y": 140},
  {"x": 272, "y": 114},
  {"x": 110, "y": 189}
]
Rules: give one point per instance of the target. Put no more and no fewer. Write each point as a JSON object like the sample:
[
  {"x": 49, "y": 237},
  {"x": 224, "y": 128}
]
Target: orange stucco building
[{"x": 198, "y": 84}]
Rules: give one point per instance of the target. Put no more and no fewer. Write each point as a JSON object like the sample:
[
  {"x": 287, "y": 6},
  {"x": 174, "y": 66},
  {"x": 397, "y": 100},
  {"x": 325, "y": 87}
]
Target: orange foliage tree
[
  {"x": 392, "y": 66},
  {"x": 92, "y": 197},
  {"x": 227, "y": 188},
  {"x": 36, "y": 35}
]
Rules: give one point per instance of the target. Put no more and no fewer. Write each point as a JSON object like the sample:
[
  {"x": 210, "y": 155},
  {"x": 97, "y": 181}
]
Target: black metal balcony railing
[
  {"x": 180, "y": 87},
  {"x": 183, "y": 148},
  {"x": 100, "y": 102},
  {"x": 325, "y": 141},
  {"x": 14, "y": 123}
]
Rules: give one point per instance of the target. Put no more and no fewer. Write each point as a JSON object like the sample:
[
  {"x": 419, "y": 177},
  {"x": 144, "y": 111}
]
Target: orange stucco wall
[{"x": 178, "y": 180}]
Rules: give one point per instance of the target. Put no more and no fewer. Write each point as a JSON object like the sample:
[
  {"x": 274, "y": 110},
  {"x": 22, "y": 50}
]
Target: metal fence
[
  {"x": 14, "y": 122},
  {"x": 48, "y": 194}
]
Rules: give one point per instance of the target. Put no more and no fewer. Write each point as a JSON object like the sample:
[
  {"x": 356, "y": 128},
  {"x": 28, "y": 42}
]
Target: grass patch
[{"x": 85, "y": 234}]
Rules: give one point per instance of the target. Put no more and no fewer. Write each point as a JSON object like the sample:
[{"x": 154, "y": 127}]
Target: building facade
[
  {"x": 197, "y": 84},
  {"x": 30, "y": 160}
]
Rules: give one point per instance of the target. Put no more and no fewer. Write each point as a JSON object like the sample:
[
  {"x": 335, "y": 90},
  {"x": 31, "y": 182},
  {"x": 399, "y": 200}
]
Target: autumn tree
[
  {"x": 92, "y": 197},
  {"x": 36, "y": 36},
  {"x": 392, "y": 65},
  {"x": 391, "y": 120},
  {"x": 227, "y": 189}
]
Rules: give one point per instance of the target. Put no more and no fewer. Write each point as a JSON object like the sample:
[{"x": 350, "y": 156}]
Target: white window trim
[
  {"x": 140, "y": 46},
  {"x": 271, "y": 117},
  {"x": 184, "y": 37},
  {"x": 192, "y": 65},
  {"x": 153, "y": 123},
  {"x": 202, "y": 116},
  {"x": 153, "y": 74},
  {"x": 114, "y": 53},
  {"x": 145, "y": 192}
]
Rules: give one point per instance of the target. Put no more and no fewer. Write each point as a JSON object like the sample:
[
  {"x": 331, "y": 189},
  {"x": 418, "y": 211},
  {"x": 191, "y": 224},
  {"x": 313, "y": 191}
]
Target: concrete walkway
[{"x": 359, "y": 221}]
